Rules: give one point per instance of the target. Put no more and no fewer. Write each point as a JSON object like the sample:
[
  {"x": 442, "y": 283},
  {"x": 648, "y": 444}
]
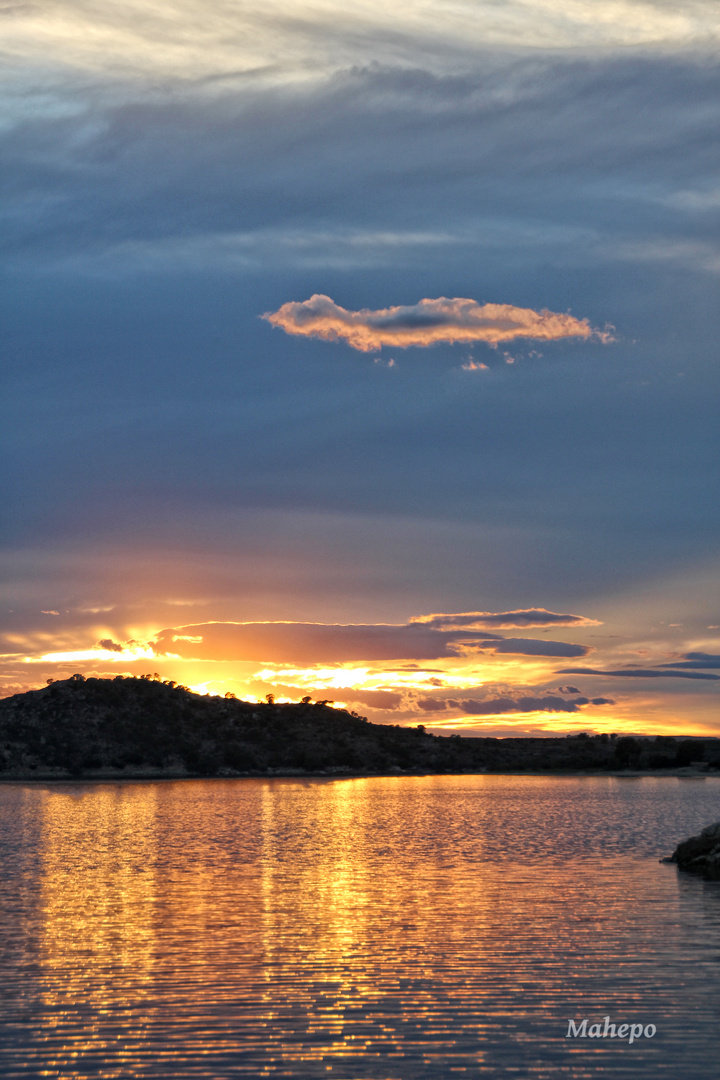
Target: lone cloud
[{"x": 426, "y": 323}]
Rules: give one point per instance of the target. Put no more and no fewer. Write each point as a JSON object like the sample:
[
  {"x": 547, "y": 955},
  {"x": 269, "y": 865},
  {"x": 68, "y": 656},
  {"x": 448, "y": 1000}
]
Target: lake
[{"x": 390, "y": 928}]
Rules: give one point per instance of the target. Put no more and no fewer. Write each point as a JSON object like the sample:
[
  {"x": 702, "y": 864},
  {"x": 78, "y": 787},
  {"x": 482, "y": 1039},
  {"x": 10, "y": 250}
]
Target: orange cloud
[{"x": 426, "y": 323}]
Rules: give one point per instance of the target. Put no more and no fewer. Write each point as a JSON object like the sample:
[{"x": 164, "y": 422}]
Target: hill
[{"x": 145, "y": 727}]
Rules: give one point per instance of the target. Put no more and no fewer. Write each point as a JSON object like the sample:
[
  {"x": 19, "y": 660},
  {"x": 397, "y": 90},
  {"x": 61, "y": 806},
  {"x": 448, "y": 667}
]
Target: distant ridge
[{"x": 132, "y": 727}]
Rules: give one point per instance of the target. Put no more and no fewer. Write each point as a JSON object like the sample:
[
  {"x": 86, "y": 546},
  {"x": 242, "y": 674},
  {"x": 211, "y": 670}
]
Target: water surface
[{"x": 384, "y": 928}]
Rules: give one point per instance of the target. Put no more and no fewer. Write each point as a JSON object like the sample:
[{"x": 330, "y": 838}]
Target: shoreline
[
  {"x": 153, "y": 776},
  {"x": 99, "y": 730}
]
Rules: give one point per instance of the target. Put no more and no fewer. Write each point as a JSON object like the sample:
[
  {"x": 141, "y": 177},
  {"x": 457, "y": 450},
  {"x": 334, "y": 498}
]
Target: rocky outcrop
[{"x": 700, "y": 854}]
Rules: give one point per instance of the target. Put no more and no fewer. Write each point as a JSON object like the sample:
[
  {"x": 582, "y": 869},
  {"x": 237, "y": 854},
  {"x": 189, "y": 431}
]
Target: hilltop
[{"x": 146, "y": 727}]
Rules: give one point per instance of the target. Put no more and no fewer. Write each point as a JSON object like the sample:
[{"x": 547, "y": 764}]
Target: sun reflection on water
[
  {"x": 97, "y": 935},
  {"x": 372, "y": 928}
]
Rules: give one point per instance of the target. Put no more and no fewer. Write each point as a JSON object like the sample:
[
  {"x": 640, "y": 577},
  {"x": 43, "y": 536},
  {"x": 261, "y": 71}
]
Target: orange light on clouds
[
  {"x": 89, "y": 655},
  {"x": 448, "y": 671},
  {"x": 339, "y": 678},
  {"x": 455, "y": 320}
]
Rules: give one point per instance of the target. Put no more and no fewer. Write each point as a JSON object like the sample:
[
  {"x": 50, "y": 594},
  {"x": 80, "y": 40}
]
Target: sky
[{"x": 366, "y": 352}]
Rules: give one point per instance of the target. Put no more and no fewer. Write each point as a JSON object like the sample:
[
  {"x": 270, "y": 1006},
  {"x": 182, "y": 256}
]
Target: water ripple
[{"x": 383, "y": 928}]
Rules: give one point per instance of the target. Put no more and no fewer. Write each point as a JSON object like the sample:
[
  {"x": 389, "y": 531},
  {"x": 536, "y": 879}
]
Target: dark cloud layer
[
  {"x": 695, "y": 660},
  {"x": 639, "y": 673},
  {"x": 312, "y": 643},
  {"x": 110, "y": 645},
  {"x": 529, "y": 703},
  {"x": 432, "y": 704},
  {"x": 252, "y": 160},
  {"x": 537, "y": 647},
  {"x": 503, "y": 619},
  {"x": 142, "y": 374}
]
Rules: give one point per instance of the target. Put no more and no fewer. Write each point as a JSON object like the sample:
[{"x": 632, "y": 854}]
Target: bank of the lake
[{"x": 145, "y": 728}]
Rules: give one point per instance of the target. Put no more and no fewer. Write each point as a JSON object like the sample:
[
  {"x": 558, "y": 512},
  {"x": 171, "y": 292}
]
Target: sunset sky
[{"x": 368, "y": 352}]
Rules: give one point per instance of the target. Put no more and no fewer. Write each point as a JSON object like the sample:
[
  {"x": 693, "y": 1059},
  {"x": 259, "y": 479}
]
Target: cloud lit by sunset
[
  {"x": 426, "y": 323},
  {"x": 446, "y": 671}
]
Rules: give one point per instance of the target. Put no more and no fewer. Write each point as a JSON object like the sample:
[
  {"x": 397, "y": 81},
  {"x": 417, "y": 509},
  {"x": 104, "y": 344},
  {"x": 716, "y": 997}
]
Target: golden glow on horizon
[
  {"x": 432, "y": 692},
  {"x": 502, "y": 676},
  {"x": 629, "y": 721},
  {"x": 334, "y": 678},
  {"x": 114, "y": 656},
  {"x": 450, "y": 674},
  {"x": 203, "y": 688}
]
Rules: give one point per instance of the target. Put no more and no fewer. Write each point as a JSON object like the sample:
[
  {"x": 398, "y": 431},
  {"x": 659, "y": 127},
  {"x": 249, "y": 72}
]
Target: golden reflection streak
[
  {"x": 358, "y": 919},
  {"x": 98, "y": 888}
]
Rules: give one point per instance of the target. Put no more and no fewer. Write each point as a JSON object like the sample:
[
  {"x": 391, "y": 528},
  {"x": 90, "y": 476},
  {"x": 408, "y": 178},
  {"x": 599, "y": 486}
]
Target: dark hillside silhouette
[{"x": 144, "y": 726}]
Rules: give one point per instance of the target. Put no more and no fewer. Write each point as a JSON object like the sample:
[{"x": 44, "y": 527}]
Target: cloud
[
  {"x": 568, "y": 690},
  {"x": 503, "y": 619},
  {"x": 432, "y": 704},
  {"x": 373, "y": 699},
  {"x": 425, "y": 323},
  {"x": 110, "y": 645},
  {"x": 696, "y": 660},
  {"x": 640, "y": 673},
  {"x": 305, "y": 643},
  {"x": 534, "y": 647},
  {"x": 177, "y": 41},
  {"x": 250, "y": 173},
  {"x": 543, "y": 703},
  {"x": 314, "y": 643}
]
